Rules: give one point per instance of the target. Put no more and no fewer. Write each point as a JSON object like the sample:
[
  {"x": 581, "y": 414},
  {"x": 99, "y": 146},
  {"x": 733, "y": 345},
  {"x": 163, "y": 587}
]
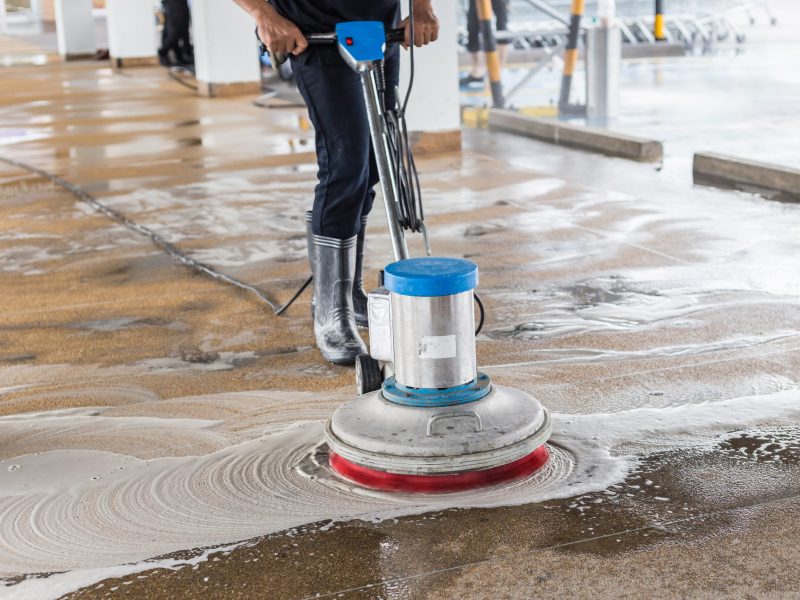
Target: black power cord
[
  {"x": 410, "y": 212},
  {"x": 479, "y": 302}
]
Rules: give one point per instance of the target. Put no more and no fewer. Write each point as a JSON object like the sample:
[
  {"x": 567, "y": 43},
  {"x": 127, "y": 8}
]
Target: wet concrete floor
[
  {"x": 681, "y": 101},
  {"x": 614, "y": 294}
]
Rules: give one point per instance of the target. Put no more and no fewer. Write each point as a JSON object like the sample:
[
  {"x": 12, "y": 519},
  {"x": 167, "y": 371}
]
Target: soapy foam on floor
[
  {"x": 89, "y": 511},
  {"x": 571, "y": 355},
  {"x": 56, "y": 586}
]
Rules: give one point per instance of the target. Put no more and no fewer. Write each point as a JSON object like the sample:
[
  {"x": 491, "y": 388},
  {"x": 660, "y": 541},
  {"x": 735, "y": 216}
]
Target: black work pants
[
  {"x": 177, "y": 19},
  {"x": 347, "y": 172},
  {"x": 500, "y": 9}
]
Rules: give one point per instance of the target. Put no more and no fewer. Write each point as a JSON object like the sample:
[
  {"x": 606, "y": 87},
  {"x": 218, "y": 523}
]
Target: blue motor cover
[
  {"x": 430, "y": 276},
  {"x": 361, "y": 41}
]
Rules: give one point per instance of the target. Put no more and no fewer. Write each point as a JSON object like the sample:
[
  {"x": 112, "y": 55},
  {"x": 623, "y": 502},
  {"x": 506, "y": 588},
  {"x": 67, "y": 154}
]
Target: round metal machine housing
[{"x": 437, "y": 425}]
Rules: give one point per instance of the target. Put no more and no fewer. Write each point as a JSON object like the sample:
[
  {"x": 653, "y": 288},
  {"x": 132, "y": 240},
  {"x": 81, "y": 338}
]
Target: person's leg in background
[
  {"x": 176, "y": 47},
  {"x": 477, "y": 72},
  {"x": 500, "y": 8},
  {"x": 168, "y": 53},
  {"x": 183, "y": 21},
  {"x": 333, "y": 94}
]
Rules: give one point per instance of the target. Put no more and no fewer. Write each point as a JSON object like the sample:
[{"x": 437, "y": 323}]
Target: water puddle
[
  {"x": 16, "y": 136},
  {"x": 598, "y": 305}
]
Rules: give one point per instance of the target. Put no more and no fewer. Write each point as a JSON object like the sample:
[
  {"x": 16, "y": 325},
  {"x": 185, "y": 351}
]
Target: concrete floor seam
[{"x": 160, "y": 242}]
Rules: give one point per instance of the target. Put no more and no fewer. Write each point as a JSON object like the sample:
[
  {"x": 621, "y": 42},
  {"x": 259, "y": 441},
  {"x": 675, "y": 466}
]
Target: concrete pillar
[
  {"x": 48, "y": 11},
  {"x": 225, "y": 49},
  {"x": 75, "y": 29},
  {"x": 131, "y": 33},
  {"x": 36, "y": 9},
  {"x": 434, "y": 111},
  {"x": 603, "y": 60}
]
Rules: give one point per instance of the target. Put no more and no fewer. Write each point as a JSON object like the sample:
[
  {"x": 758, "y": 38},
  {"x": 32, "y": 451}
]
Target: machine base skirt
[{"x": 440, "y": 483}]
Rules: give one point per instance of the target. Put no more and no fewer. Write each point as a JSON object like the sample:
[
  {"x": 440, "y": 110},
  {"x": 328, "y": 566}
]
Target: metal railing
[{"x": 543, "y": 23}]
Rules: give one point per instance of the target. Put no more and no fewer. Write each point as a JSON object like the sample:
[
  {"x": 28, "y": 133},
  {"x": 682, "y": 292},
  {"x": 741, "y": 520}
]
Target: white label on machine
[
  {"x": 437, "y": 346},
  {"x": 381, "y": 342}
]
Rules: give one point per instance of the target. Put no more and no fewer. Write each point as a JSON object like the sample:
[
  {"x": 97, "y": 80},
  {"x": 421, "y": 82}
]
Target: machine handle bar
[{"x": 393, "y": 36}]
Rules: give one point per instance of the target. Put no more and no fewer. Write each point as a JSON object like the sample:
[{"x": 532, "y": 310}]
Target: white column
[
  {"x": 131, "y": 32},
  {"x": 75, "y": 28},
  {"x": 36, "y": 9},
  {"x": 603, "y": 63},
  {"x": 434, "y": 111},
  {"x": 225, "y": 49},
  {"x": 36, "y": 16},
  {"x": 3, "y": 17}
]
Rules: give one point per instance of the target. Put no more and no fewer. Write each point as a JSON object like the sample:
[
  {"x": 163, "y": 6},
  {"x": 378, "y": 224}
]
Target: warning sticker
[{"x": 437, "y": 346}]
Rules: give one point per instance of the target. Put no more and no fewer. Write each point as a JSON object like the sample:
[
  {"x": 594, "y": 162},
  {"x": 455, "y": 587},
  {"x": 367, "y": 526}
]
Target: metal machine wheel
[{"x": 369, "y": 377}]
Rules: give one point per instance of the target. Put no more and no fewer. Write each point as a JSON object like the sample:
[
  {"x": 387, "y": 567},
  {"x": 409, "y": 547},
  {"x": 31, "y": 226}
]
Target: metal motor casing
[
  {"x": 434, "y": 348},
  {"x": 437, "y": 424}
]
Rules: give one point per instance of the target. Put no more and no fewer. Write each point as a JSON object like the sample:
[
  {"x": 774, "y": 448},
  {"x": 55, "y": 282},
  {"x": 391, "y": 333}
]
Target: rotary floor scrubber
[{"x": 436, "y": 424}]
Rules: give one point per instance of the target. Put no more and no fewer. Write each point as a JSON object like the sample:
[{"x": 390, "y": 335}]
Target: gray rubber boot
[
  {"x": 359, "y": 295},
  {"x": 334, "y": 320},
  {"x": 310, "y": 244}
]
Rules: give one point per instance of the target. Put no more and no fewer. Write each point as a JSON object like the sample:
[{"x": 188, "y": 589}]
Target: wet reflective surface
[
  {"x": 730, "y": 98},
  {"x": 149, "y": 412}
]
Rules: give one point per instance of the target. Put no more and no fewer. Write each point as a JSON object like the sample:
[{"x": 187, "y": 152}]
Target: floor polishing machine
[{"x": 426, "y": 419}]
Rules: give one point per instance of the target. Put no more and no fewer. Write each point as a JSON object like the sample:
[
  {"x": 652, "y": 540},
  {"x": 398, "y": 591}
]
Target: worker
[
  {"x": 347, "y": 172},
  {"x": 176, "y": 46},
  {"x": 477, "y": 72}
]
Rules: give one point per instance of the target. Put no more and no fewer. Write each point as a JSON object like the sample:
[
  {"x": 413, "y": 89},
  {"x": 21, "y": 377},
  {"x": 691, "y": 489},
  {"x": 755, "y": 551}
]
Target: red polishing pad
[{"x": 449, "y": 482}]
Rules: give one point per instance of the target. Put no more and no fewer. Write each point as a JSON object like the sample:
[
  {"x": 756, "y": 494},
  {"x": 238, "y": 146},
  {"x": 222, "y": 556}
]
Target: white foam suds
[
  {"x": 85, "y": 512},
  {"x": 15, "y": 136},
  {"x": 58, "y": 585}
]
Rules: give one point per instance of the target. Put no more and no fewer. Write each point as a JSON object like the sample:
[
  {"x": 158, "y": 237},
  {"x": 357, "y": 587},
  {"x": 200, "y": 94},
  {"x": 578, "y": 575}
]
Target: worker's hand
[
  {"x": 279, "y": 34},
  {"x": 426, "y": 25}
]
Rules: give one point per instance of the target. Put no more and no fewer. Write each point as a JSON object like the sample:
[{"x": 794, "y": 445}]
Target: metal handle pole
[{"x": 380, "y": 145}]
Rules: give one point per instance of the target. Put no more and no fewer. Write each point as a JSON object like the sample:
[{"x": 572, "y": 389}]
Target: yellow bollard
[
  {"x": 658, "y": 28},
  {"x": 485, "y": 14},
  {"x": 571, "y": 53}
]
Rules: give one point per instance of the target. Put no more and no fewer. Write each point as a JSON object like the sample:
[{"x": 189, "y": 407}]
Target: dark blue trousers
[
  {"x": 347, "y": 171},
  {"x": 500, "y": 9}
]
